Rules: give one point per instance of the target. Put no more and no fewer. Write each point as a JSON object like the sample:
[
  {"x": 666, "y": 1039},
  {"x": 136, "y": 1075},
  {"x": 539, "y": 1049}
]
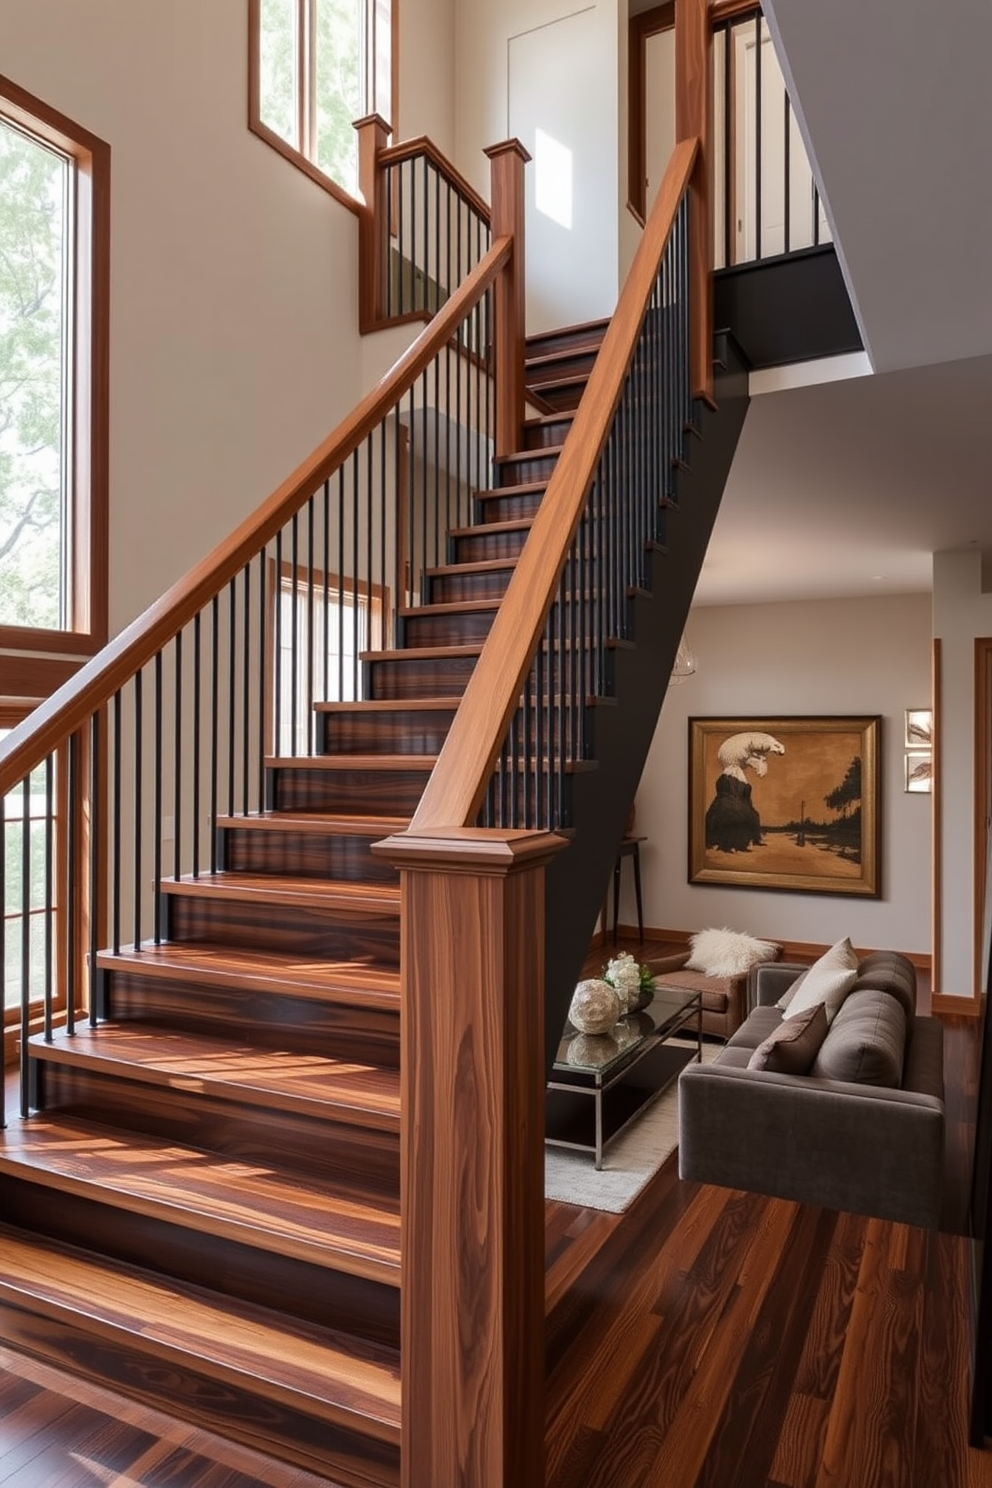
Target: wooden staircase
[{"x": 203, "y": 1207}]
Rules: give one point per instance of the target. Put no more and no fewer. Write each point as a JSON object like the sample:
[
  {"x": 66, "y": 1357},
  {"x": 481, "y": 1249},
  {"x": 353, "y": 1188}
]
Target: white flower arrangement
[{"x": 631, "y": 980}]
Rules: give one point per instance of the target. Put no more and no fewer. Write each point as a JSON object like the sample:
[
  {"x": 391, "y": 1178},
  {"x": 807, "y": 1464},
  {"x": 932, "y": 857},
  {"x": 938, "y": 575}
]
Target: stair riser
[
  {"x": 168, "y": 1383},
  {"x": 509, "y": 507},
  {"x": 413, "y": 677},
  {"x": 467, "y": 629},
  {"x": 454, "y": 588},
  {"x": 305, "y": 854},
  {"x": 325, "y": 935},
  {"x": 313, "y": 1293},
  {"x": 553, "y": 432},
  {"x": 563, "y": 397},
  {"x": 520, "y": 470},
  {"x": 351, "y": 792},
  {"x": 269, "y": 1019},
  {"x": 325, "y": 1151},
  {"x": 553, "y": 366},
  {"x": 406, "y": 731},
  {"x": 480, "y": 546}
]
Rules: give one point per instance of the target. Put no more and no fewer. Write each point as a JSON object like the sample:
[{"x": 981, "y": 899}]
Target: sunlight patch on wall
[{"x": 553, "y": 178}]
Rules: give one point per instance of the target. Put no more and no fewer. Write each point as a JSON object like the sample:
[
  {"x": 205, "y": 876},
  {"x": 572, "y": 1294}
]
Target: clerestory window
[
  {"x": 54, "y": 301},
  {"x": 316, "y": 66}
]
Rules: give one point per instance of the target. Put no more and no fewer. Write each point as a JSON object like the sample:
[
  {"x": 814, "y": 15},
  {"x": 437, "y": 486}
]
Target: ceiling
[{"x": 848, "y": 487}]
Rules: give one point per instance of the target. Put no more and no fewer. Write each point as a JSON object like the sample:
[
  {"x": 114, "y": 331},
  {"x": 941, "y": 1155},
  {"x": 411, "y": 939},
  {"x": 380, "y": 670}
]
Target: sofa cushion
[
  {"x": 866, "y": 1042},
  {"x": 791, "y": 1048},
  {"x": 728, "y": 952},
  {"x": 828, "y": 980},
  {"x": 759, "y": 1023},
  {"x": 889, "y": 972}
]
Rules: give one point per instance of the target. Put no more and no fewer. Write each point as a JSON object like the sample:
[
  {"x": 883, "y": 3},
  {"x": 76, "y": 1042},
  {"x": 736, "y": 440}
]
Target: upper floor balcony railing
[{"x": 765, "y": 198}]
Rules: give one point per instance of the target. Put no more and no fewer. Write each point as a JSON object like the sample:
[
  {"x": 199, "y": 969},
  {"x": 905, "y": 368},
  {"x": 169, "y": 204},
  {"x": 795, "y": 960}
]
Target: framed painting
[{"x": 785, "y": 803}]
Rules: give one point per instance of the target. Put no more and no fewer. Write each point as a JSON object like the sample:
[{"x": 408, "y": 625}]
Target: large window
[
  {"x": 316, "y": 67},
  {"x": 54, "y": 272}
]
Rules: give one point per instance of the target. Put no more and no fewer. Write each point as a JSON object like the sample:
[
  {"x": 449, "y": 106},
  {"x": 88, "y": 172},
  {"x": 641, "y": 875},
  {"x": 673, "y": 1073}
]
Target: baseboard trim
[{"x": 798, "y": 949}]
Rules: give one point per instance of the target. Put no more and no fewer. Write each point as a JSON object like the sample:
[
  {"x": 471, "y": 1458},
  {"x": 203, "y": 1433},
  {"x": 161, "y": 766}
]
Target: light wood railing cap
[{"x": 471, "y": 849}]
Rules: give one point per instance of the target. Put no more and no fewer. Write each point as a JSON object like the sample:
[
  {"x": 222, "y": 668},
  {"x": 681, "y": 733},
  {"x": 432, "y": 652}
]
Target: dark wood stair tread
[
  {"x": 523, "y": 488},
  {"x": 259, "y": 971},
  {"x": 244, "y": 1203},
  {"x": 477, "y": 565},
  {"x": 310, "y": 1084},
  {"x": 394, "y": 705},
  {"x": 311, "y": 893},
  {"x": 317, "y": 823},
  {"x": 449, "y": 607},
  {"x": 487, "y": 529},
  {"x": 341, "y": 1380},
  {"x": 421, "y": 653}
]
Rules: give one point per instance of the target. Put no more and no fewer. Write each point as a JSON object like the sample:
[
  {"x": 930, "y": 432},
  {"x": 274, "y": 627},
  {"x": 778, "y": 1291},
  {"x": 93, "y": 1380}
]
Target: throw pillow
[
  {"x": 828, "y": 980},
  {"x": 725, "y": 952},
  {"x": 791, "y": 1049},
  {"x": 867, "y": 1041}
]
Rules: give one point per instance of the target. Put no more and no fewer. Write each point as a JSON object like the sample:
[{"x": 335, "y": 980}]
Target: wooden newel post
[
  {"x": 506, "y": 165},
  {"x": 373, "y": 222},
  {"x": 472, "y": 1184},
  {"x": 693, "y": 120}
]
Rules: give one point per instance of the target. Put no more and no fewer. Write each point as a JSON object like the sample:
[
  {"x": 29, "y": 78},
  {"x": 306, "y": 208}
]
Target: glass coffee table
[{"x": 601, "y": 1082}]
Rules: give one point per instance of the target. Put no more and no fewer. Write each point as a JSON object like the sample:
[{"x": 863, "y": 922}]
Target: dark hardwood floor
[{"x": 704, "y": 1339}]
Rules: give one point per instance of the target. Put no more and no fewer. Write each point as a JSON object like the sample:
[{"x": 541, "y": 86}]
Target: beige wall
[
  {"x": 234, "y": 341},
  {"x": 861, "y": 656}
]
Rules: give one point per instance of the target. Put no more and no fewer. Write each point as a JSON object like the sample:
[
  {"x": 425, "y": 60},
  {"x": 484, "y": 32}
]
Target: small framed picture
[
  {"x": 919, "y": 770},
  {"x": 919, "y": 728}
]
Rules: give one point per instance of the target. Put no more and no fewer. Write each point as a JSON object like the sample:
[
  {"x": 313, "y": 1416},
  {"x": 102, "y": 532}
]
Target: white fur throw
[{"x": 721, "y": 953}]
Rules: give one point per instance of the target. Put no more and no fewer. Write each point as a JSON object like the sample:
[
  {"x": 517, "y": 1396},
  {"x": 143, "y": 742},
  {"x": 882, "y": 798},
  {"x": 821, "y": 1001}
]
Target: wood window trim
[
  {"x": 640, "y": 27},
  {"x": 283, "y": 147},
  {"x": 89, "y": 376}
]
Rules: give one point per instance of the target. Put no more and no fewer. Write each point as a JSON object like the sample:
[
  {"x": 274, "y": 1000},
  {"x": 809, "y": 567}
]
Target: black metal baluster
[
  {"x": 326, "y": 660},
  {"x": 294, "y": 635},
  {"x": 138, "y": 771},
  {"x": 311, "y": 721},
  {"x": 340, "y": 581},
  {"x": 95, "y": 887},
  {"x": 245, "y": 691},
  {"x": 263, "y": 701},
  {"x": 157, "y": 803},
  {"x": 177, "y": 762},
  {"x": 118, "y": 787},
  {"x": 25, "y": 1060},
  {"x": 49, "y": 891},
  {"x": 369, "y": 551},
  {"x": 354, "y": 576},
  {"x": 277, "y": 649},
  {"x": 786, "y": 146},
  {"x": 757, "y": 136},
  {"x": 232, "y": 666},
  {"x": 214, "y": 727},
  {"x": 71, "y": 899},
  {"x": 197, "y": 747}
]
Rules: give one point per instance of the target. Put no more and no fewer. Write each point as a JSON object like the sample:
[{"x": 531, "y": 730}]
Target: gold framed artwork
[{"x": 785, "y": 803}]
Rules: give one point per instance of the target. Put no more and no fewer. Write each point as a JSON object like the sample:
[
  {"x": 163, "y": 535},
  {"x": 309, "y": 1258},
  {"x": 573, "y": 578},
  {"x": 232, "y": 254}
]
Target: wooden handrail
[
  {"x": 422, "y": 145},
  {"x": 460, "y": 778},
  {"x": 95, "y": 684}
]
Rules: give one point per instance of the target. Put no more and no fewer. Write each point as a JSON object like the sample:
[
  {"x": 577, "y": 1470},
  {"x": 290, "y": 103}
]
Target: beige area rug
[{"x": 628, "y": 1162}]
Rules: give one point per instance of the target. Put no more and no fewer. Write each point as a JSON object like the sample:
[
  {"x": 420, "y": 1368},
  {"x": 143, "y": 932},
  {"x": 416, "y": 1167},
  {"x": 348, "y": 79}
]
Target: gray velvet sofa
[{"x": 845, "y": 1144}]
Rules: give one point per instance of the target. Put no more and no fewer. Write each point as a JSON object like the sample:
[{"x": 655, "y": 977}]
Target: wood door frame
[
  {"x": 983, "y": 796},
  {"x": 639, "y": 28}
]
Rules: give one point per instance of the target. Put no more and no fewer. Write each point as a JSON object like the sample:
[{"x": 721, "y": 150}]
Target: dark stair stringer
[{"x": 576, "y": 880}]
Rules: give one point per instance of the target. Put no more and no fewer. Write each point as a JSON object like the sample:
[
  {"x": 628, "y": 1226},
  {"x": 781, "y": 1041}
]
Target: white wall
[
  {"x": 961, "y": 611},
  {"x": 551, "y": 64},
  {"x": 859, "y": 656},
  {"x": 427, "y": 72},
  {"x": 234, "y": 344}
]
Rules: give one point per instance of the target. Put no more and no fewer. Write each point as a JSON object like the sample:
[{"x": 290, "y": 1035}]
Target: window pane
[
  {"x": 340, "y": 87},
  {"x": 33, "y": 357},
  {"x": 278, "y": 82}
]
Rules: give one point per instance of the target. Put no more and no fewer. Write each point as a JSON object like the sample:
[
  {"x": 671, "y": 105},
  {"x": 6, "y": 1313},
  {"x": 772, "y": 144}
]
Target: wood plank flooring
[{"x": 704, "y": 1339}]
